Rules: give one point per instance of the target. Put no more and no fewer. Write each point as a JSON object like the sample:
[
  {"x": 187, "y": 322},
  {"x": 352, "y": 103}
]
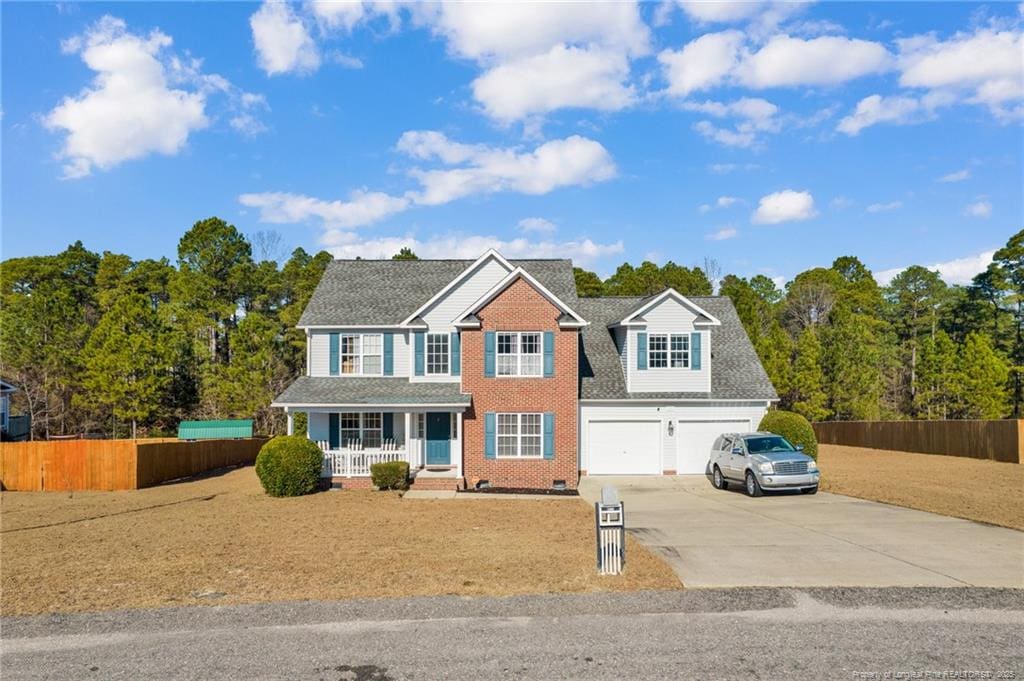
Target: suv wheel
[
  {"x": 717, "y": 480},
  {"x": 753, "y": 487}
]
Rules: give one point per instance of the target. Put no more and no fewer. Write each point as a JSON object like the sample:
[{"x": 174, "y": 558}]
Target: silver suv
[{"x": 761, "y": 461}]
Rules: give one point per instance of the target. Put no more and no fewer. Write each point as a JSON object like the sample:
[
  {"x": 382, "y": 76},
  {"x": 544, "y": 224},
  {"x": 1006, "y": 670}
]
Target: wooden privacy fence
[
  {"x": 115, "y": 464},
  {"x": 996, "y": 440}
]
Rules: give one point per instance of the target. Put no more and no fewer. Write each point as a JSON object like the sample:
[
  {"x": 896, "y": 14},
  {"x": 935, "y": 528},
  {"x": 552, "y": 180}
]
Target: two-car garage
[{"x": 652, "y": 440}]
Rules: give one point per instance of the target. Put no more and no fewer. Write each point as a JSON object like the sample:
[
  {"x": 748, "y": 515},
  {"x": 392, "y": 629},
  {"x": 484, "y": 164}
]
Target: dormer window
[{"x": 668, "y": 350}]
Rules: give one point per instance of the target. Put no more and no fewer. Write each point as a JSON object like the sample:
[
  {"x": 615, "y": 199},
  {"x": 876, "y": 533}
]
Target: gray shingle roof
[
  {"x": 369, "y": 292},
  {"x": 308, "y": 390},
  {"x": 736, "y": 372}
]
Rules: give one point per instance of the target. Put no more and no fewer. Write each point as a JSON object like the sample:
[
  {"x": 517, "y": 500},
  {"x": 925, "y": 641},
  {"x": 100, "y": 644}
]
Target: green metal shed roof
[{"x": 215, "y": 430}]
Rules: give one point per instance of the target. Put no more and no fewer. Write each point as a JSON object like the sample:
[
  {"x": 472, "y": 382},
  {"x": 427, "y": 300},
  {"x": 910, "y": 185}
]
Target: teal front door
[{"x": 439, "y": 439}]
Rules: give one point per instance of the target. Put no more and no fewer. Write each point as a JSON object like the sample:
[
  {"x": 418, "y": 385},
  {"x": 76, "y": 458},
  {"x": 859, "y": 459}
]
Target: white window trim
[
  {"x": 426, "y": 354},
  {"x": 668, "y": 351},
  {"x": 362, "y": 354},
  {"x": 362, "y": 425},
  {"x": 519, "y": 353},
  {"x": 519, "y": 435}
]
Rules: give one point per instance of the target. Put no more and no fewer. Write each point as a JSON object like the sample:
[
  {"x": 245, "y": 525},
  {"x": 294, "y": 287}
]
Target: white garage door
[
  {"x": 694, "y": 440},
  {"x": 624, "y": 448}
]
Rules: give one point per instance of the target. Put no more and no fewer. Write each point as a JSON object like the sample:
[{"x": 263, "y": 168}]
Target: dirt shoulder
[
  {"x": 975, "y": 489},
  {"x": 220, "y": 540}
]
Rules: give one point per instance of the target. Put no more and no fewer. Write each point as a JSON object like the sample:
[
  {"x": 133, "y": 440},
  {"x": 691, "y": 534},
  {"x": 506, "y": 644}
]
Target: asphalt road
[{"x": 734, "y": 633}]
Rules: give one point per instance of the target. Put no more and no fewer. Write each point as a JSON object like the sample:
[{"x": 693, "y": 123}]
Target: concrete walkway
[{"x": 716, "y": 538}]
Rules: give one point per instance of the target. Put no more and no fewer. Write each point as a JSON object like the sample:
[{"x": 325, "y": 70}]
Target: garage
[
  {"x": 694, "y": 440},
  {"x": 624, "y": 447}
]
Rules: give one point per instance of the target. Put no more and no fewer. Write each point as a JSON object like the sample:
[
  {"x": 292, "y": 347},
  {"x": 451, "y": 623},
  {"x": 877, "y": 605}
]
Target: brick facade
[{"x": 521, "y": 308}]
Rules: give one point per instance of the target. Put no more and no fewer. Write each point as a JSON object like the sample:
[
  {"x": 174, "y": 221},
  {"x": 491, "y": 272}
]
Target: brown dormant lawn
[
  {"x": 976, "y": 489},
  {"x": 220, "y": 540}
]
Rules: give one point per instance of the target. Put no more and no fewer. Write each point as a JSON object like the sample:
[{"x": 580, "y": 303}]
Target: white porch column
[
  {"x": 458, "y": 443},
  {"x": 408, "y": 441},
  {"x": 291, "y": 423}
]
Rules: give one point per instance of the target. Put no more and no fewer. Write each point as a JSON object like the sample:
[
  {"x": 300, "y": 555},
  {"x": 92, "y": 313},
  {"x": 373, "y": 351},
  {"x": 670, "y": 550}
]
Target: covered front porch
[{"x": 429, "y": 439}]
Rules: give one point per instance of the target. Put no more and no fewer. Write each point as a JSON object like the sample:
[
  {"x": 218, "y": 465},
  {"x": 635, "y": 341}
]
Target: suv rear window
[{"x": 765, "y": 445}]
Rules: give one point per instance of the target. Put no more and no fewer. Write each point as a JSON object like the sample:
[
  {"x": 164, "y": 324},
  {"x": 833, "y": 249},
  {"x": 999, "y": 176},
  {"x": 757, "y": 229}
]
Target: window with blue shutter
[
  {"x": 490, "y": 435},
  {"x": 489, "y": 344},
  {"x": 389, "y": 354},
  {"x": 695, "y": 351},
  {"x": 641, "y": 351},
  {"x": 418, "y": 343},
  {"x": 456, "y": 347},
  {"x": 333, "y": 437},
  {"x": 334, "y": 354},
  {"x": 549, "y": 354},
  {"x": 388, "y": 426},
  {"x": 549, "y": 435}
]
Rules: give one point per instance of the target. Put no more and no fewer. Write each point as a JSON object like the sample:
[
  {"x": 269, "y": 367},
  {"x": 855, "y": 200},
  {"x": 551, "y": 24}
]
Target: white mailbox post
[{"x": 610, "y": 518}]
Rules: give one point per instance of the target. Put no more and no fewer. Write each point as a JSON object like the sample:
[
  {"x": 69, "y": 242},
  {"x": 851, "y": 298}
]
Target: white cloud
[
  {"x": 344, "y": 244},
  {"x": 784, "y": 206},
  {"x": 726, "y": 168},
  {"x": 958, "y": 176},
  {"x": 895, "y": 110},
  {"x": 827, "y": 60},
  {"x": 979, "y": 209},
  {"x": 723, "y": 58},
  {"x": 722, "y": 234},
  {"x": 362, "y": 208},
  {"x": 142, "y": 100},
  {"x": 283, "y": 43},
  {"x": 537, "y": 225},
  {"x": 335, "y": 14},
  {"x": 840, "y": 203},
  {"x": 755, "y": 116},
  {"x": 467, "y": 169},
  {"x": 720, "y": 202},
  {"x": 959, "y": 271},
  {"x": 702, "y": 63},
  {"x": 986, "y": 67},
  {"x": 720, "y": 12},
  {"x": 884, "y": 207},
  {"x": 562, "y": 77}
]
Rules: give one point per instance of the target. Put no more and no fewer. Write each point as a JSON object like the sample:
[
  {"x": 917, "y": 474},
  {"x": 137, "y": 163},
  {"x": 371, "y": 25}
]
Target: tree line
[{"x": 103, "y": 343}]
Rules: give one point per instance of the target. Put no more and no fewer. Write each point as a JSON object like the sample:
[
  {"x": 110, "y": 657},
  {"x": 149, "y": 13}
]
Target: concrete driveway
[{"x": 716, "y": 538}]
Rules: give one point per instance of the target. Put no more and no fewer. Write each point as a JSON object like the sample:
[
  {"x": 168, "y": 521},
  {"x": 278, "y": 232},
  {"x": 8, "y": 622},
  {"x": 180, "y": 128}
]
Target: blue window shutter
[
  {"x": 490, "y": 421},
  {"x": 419, "y": 341},
  {"x": 456, "y": 354},
  {"x": 549, "y": 354},
  {"x": 333, "y": 435},
  {"x": 388, "y": 425},
  {"x": 695, "y": 351},
  {"x": 641, "y": 351},
  {"x": 549, "y": 435},
  {"x": 489, "y": 346},
  {"x": 389, "y": 354},
  {"x": 334, "y": 354}
]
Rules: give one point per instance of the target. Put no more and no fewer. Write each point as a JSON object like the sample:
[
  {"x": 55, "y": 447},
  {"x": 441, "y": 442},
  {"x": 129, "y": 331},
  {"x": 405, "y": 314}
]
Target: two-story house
[{"x": 495, "y": 372}]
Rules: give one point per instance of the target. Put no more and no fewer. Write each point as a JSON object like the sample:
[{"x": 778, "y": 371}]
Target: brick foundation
[
  {"x": 437, "y": 484},
  {"x": 353, "y": 483}
]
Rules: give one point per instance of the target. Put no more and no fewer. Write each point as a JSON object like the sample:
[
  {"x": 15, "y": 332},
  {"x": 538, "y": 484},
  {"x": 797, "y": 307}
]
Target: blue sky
[{"x": 771, "y": 137}]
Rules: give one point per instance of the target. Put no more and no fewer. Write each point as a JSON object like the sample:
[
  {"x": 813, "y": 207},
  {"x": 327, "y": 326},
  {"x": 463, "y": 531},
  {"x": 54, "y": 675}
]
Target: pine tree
[
  {"x": 937, "y": 377},
  {"x": 852, "y": 358},
  {"x": 776, "y": 352},
  {"x": 982, "y": 383},
  {"x": 808, "y": 380}
]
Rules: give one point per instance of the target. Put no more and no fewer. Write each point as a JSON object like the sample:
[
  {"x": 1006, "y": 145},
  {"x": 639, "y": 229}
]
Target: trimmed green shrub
[
  {"x": 289, "y": 466},
  {"x": 794, "y": 428},
  {"x": 391, "y": 475}
]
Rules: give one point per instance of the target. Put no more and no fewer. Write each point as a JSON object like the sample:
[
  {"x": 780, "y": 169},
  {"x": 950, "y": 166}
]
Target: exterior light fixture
[{"x": 671, "y": 429}]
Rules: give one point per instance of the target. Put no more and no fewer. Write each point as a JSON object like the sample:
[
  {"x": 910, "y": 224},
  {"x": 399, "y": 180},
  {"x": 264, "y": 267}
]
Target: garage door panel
[
  {"x": 695, "y": 438},
  {"x": 624, "y": 448}
]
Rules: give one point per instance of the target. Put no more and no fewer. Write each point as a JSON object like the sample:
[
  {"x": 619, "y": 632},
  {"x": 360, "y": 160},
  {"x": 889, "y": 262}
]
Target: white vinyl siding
[
  {"x": 441, "y": 315},
  {"x": 737, "y": 416},
  {"x": 372, "y": 354},
  {"x": 669, "y": 318}
]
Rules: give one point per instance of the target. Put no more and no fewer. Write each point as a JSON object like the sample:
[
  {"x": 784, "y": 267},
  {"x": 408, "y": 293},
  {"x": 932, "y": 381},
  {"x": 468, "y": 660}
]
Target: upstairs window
[
  {"x": 519, "y": 354},
  {"x": 668, "y": 351},
  {"x": 437, "y": 354},
  {"x": 361, "y": 353}
]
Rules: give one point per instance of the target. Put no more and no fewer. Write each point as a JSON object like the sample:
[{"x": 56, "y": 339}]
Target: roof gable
[
  {"x": 466, "y": 274},
  {"x": 635, "y": 316},
  {"x": 568, "y": 318}
]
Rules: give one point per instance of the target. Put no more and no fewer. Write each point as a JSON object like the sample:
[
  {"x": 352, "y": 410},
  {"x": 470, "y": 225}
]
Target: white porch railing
[{"x": 354, "y": 460}]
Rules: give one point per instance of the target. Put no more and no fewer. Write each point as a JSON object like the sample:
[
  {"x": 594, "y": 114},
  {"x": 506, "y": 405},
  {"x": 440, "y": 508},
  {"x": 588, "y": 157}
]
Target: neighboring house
[
  {"x": 494, "y": 371},
  {"x": 11, "y": 427}
]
